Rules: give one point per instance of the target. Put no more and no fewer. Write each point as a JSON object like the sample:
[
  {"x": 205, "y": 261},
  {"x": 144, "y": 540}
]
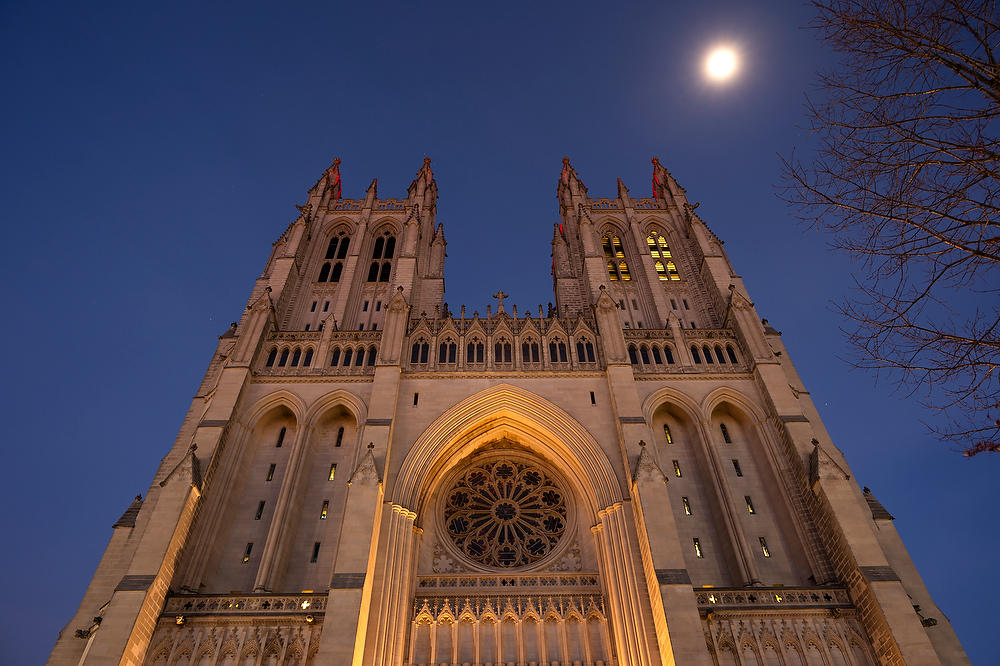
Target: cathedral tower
[{"x": 636, "y": 477}]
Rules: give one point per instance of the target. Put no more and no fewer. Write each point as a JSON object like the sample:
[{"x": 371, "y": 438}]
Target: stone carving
[
  {"x": 505, "y": 514},
  {"x": 571, "y": 561}
]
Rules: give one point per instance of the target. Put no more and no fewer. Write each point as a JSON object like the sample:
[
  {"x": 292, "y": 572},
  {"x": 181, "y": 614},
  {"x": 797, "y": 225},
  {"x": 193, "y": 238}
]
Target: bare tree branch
[{"x": 905, "y": 177}]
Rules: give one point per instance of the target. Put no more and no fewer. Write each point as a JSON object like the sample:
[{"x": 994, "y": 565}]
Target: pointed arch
[
  {"x": 500, "y": 411},
  {"x": 338, "y": 398}
]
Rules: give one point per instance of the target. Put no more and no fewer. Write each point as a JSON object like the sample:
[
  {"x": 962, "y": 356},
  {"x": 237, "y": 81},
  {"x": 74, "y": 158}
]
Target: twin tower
[{"x": 636, "y": 476}]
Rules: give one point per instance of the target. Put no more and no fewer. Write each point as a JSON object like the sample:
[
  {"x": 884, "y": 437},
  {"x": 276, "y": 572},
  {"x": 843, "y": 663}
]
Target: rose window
[{"x": 505, "y": 514}]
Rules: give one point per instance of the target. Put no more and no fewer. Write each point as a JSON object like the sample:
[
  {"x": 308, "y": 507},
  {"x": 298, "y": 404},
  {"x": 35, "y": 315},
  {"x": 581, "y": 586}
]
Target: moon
[{"x": 721, "y": 63}]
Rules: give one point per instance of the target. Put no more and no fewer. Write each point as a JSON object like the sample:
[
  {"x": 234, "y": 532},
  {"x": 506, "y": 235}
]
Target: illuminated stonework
[
  {"x": 367, "y": 477},
  {"x": 505, "y": 514}
]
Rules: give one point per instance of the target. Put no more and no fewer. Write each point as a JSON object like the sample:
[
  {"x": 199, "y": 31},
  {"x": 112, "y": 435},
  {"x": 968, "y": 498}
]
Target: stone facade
[{"x": 634, "y": 476}]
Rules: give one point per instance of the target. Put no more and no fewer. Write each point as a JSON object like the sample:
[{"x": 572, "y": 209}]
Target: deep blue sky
[{"x": 152, "y": 153}]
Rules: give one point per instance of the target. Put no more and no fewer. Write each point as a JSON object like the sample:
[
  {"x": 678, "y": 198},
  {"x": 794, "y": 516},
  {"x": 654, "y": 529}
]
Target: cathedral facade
[{"x": 634, "y": 476}]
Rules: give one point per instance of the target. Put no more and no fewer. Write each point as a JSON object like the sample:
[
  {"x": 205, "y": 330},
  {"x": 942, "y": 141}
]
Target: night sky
[{"x": 151, "y": 154}]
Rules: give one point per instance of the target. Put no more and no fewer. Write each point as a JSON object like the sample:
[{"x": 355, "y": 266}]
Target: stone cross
[{"x": 500, "y": 296}]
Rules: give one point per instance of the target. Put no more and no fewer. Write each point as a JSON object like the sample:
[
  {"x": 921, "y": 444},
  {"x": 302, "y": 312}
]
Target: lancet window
[
  {"x": 663, "y": 260},
  {"x": 336, "y": 252},
  {"x": 614, "y": 254},
  {"x": 382, "y": 254}
]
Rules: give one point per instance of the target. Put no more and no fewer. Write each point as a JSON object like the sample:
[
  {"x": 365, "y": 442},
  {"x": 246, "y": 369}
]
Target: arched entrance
[{"x": 568, "y": 591}]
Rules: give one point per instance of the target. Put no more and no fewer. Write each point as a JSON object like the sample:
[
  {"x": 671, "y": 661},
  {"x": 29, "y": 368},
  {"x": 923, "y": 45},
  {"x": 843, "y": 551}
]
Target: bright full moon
[{"x": 721, "y": 64}]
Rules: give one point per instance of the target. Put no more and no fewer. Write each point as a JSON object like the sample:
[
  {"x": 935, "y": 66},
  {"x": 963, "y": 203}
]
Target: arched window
[
  {"x": 666, "y": 433},
  {"x": 591, "y": 358},
  {"x": 382, "y": 254},
  {"x": 529, "y": 352},
  {"x": 284, "y": 358},
  {"x": 295, "y": 357},
  {"x": 336, "y": 356},
  {"x": 644, "y": 354},
  {"x": 632, "y": 356},
  {"x": 656, "y": 356},
  {"x": 418, "y": 354},
  {"x": 662, "y": 258},
  {"x": 372, "y": 351},
  {"x": 725, "y": 433},
  {"x": 336, "y": 251},
  {"x": 708, "y": 354},
  {"x": 580, "y": 352},
  {"x": 719, "y": 355},
  {"x": 474, "y": 351},
  {"x": 359, "y": 360},
  {"x": 446, "y": 353},
  {"x": 281, "y": 438},
  {"x": 340, "y": 436},
  {"x": 695, "y": 355},
  {"x": 307, "y": 361},
  {"x": 501, "y": 351},
  {"x": 669, "y": 355},
  {"x": 614, "y": 254},
  {"x": 557, "y": 351},
  {"x": 348, "y": 353},
  {"x": 732, "y": 355},
  {"x": 272, "y": 356}
]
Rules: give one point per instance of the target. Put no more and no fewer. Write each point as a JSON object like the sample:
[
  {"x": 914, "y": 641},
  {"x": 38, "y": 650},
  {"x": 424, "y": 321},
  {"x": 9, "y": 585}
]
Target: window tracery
[
  {"x": 663, "y": 260},
  {"x": 505, "y": 513},
  {"x": 614, "y": 254}
]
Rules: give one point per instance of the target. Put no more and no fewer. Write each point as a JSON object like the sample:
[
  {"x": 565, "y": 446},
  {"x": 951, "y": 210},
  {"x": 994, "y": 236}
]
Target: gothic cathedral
[{"x": 635, "y": 476}]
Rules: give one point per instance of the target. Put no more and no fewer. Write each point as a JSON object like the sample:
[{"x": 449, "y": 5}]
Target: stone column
[
  {"x": 264, "y": 581},
  {"x": 349, "y": 599},
  {"x": 621, "y": 584},
  {"x": 675, "y": 610},
  {"x": 394, "y": 574}
]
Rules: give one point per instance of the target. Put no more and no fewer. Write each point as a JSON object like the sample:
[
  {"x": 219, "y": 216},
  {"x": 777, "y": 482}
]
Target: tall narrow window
[
  {"x": 736, "y": 466},
  {"x": 324, "y": 273},
  {"x": 308, "y": 359},
  {"x": 750, "y": 509},
  {"x": 281, "y": 439},
  {"x": 333, "y": 471},
  {"x": 382, "y": 254},
  {"x": 315, "y": 553},
  {"x": 695, "y": 355},
  {"x": 260, "y": 511},
  {"x": 335, "y": 359},
  {"x": 732, "y": 355},
  {"x": 666, "y": 433},
  {"x": 662, "y": 258},
  {"x": 312, "y": 308},
  {"x": 335, "y": 251},
  {"x": 593, "y": 398},
  {"x": 271, "y": 357},
  {"x": 687, "y": 506},
  {"x": 669, "y": 355},
  {"x": 348, "y": 355},
  {"x": 697, "y": 548},
  {"x": 633, "y": 357},
  {"x": 246, "y": 553},
  {"x": 614, "y": 254},
  {"x": 284, "y": 358},
  {"x": 763, "y": 548},
  {"x": 725, "y": 433},
  {"x": 340, "y": 436},
  {"x": 324, "y": 510},
  {"x": 677, "y": 468},
  {"x": 718, "y": 355},
  {"x": 295, "y": 357},
  {"x": 270, "y": 473},
  {"x": 656, "y": 355}
]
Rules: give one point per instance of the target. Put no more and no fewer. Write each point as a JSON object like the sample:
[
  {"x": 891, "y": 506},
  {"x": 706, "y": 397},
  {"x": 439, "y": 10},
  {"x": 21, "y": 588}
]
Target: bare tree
[{"x": 905, "y": 176}]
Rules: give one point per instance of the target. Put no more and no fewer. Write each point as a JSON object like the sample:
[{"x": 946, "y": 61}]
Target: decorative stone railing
[
  {"x": 647, "y": 204},
  {"x": 605, "y": 204},
  {"x": 501, "y": 584},
  {"x": 658, "y": 342},
  {"x": 390, "y": 204},
  {"x": 347, "y": 204},
  {"x": 263, "y": 604},
  {"x": 771, "y": 598}
]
